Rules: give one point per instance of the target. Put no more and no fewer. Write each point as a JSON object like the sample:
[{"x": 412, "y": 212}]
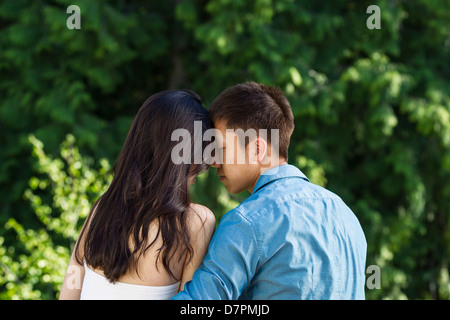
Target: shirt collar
[{"x": 284, "y": 171}]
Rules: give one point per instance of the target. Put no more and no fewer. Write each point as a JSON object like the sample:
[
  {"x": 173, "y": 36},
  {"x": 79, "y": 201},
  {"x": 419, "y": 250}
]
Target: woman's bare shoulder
[{"x": 200, "y": 216}]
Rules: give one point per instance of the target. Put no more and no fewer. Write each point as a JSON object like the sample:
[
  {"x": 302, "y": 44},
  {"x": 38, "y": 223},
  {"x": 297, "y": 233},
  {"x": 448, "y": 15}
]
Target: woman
[{"x": 143, "y": 239}]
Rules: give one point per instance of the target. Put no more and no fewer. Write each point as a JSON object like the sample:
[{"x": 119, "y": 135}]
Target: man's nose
[{"x": 216, "y": 165}]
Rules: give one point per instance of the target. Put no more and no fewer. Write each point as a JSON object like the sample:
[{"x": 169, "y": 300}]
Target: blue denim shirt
[{"x": 291, "y": 239}]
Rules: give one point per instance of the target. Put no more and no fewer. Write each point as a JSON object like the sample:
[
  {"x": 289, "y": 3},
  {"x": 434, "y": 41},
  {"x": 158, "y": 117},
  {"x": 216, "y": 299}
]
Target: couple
[{"x": 144, "y": 239}]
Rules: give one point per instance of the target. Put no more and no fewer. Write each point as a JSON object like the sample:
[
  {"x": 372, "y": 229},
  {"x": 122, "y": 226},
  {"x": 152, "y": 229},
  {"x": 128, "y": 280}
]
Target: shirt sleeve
[{"x": 230, "y": 263}]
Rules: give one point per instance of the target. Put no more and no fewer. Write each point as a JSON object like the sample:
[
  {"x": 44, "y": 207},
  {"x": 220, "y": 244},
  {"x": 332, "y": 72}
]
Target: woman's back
[
  {"x": 96, "y": 286},
  {"x": 149, "y": 271},
  {"x": 150, "y": 280}
]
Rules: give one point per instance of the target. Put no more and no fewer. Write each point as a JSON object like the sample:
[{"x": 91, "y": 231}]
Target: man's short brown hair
[{"x": 252, "y": 105}]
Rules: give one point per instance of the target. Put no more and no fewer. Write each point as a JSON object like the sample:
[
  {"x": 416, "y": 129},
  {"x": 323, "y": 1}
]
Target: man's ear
[{"x": 260, "y": 149}]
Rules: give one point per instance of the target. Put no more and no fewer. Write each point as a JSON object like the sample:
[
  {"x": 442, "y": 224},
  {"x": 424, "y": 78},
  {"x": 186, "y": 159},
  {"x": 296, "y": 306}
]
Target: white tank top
[{"x": 97, "y": 287}]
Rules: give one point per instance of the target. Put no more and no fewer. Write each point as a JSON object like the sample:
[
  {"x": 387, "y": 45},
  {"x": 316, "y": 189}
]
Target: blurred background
[{"x": 371, "y": 106}]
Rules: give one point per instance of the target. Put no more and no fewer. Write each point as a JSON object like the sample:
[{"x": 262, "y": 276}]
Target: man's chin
[{"x": 231, "y": 189}]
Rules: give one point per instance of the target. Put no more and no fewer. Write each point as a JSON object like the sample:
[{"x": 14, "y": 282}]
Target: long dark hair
[{"x": 147, "y": 187}]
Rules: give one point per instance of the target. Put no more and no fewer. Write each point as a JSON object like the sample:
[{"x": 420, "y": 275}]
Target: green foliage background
[{"x": 372, "y": 115}]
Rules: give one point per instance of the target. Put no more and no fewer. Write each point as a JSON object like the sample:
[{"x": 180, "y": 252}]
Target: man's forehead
[
  {"x": 220, "y": 125},
  {"x": 226, "y": 133}
]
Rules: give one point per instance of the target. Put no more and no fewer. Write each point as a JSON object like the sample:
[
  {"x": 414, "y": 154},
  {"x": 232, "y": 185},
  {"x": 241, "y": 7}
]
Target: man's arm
[{"x": 230, "y": 263}]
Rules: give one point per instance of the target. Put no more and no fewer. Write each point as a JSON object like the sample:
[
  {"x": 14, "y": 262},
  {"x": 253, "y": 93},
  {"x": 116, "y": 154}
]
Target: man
[{"x": 290, "y": 239}]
